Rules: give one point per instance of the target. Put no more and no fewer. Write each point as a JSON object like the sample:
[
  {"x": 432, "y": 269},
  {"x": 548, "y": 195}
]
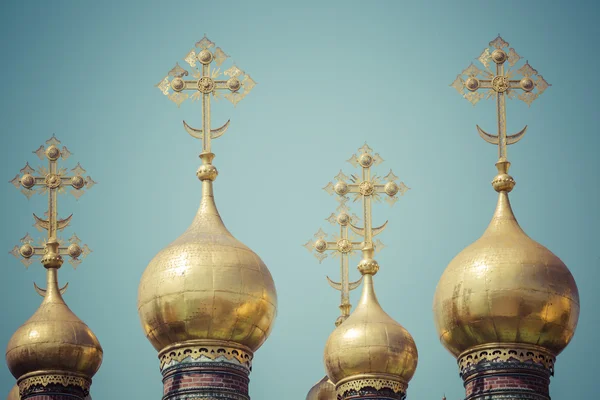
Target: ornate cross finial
[
  {"x": 367, "y": 188},
  {"x": 342, "y": 245},
  {"x": 51, "y": 180},
  {"x": 500, "y": 83},
  {"x": 205, "y": 83}
]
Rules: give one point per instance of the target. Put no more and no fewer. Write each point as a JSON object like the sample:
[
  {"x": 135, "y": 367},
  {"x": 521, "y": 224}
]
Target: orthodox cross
[
  {"x": 51, "y": 180},
  {"x": 204, "y": 85},
  {"x": 367, "y": 188},
  {"x": 500, "y": 84},
  {"x": 343, "y": 246}
]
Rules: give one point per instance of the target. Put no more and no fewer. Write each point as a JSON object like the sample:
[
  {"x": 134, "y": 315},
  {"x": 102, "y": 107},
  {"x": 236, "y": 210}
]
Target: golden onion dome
[
  {"x": 207, "y": 285},
  {"x": 506, "y": 288},
  {"x": 54, "y": 339},
  {"x": 370, "y": 345},
  {"x": 14, "y": 393},
  {"x": 322, "y": 390}
]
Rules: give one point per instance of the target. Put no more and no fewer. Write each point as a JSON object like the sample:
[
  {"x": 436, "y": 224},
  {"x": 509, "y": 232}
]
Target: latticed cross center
[
  {"x": 206, "y": 84},
  {"x": 52, "y": 181},
  {"x": 366, "y": 188},
  {"x": 500, "y": 83},
  {"x": 344, "y": 246}
]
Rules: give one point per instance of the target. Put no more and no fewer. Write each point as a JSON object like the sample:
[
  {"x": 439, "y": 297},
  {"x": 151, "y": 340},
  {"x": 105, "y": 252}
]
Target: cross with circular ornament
[
  {"x": 342, "y": 245},
  {"x": 500, "y": 83},
  {"x": 367, "y": 188},
  {"x": 51, "y": 180},
  {"x": 205, "y": 83}
]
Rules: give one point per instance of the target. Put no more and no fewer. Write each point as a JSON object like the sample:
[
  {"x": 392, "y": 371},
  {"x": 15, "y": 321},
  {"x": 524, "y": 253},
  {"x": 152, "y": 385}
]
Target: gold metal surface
[
  {"x": 206, "y": 286},
  {"x": 53, "y": 341},
  {"x": 499, "y": 84},
  {"x": 322, "y": 390},
  {"x": 343, "y": 246},
  {"x": 369, "y": 347},
  {"x": 370, "y": 342},
  {"x": 505, "y": 290},
  {"x": 53, "y": 338}
]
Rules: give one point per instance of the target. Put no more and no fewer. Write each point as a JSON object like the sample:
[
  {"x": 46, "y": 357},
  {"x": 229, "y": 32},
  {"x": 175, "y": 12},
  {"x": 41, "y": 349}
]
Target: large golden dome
[
  {"x": 207, "y": 285},
  {"x": 506, "y": 288},
  {"x": 370, "y": 345},
  {"x": 54, "y": 339},
  {"x": 323, "y": 390}
]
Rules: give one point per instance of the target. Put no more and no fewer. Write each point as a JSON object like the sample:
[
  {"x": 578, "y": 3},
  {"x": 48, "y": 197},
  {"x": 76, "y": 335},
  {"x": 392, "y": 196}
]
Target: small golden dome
[
  {"x": 207, "y": 285},
  {"x": 506, "y": 288},
  {"x": 370, "y": 344},
  {"x": 323, "y": 390},
  {"x": 54, "y": 339},
  {"x": 14, "y": 393}
]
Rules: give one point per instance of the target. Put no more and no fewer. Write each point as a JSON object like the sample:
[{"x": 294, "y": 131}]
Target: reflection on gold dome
[
  {"x": 54, "y": 339},
  {"x": 506, "y": 288},
  {"x": 370, "y": 344},
  {"x": 323, "y": 390},
  {"x": 207, "y": 285}
]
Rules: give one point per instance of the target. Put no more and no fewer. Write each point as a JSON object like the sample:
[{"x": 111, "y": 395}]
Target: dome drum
[
  {"x": 207, "y": 351},
  {"x": 505, "y": 356},
  {"x": 376, "y": 384},
  {"x": 43, "y": 383}
]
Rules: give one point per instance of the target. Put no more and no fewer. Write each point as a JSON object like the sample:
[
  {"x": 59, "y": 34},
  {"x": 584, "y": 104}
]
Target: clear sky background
[{"x": 330, "y": 76}]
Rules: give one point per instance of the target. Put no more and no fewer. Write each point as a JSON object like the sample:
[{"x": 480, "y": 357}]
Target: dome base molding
[
  {"x": 505, "y": 371},
  {"x": 206, "y": 351},
  {"x": 57, "y": 384},
  {"x": 371, "y": 387}
]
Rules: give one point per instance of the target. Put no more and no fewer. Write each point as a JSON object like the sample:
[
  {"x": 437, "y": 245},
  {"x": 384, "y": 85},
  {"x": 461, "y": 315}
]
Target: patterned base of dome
[
  {"x": 53, "y": 383},
  {"x": 206, "y": 351},
  {"x": 371, "y": 387},
  {"x": 503, "y": 371}
]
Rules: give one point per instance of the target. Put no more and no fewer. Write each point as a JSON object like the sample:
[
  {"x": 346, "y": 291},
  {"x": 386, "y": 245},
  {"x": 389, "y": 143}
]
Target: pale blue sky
[{"x": 330, "y": 76}]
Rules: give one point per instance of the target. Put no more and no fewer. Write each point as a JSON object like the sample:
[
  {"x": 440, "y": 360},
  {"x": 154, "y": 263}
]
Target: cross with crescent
[
  {"x": 51, "y": 180},
  {"x": 342, "y": 245},
  {"x": 205, "y": 83},
  {"x": 500, "y": 83},
  {"x": 367, "y": 188}
]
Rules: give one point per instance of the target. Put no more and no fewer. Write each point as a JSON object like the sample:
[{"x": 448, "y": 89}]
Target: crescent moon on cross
[
  {"x": 493, "y": 139},
  {"x": 361, "y": 231},
  {"x": 338, "y": 286},
  {"x": 214, "y": 133},
  {"x": 42, "y": 292},
  {"x": 60, "y": 224}
]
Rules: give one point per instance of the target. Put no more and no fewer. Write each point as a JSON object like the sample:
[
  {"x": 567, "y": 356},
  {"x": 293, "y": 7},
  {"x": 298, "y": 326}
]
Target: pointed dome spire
[
  {"x": 506, "y": 288},
  {"x": 505, "y": 306},
  {"x": 207, "y": 286},
  {"x": 54, "y": 340},
  {"x": 370, "y": 348}
]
